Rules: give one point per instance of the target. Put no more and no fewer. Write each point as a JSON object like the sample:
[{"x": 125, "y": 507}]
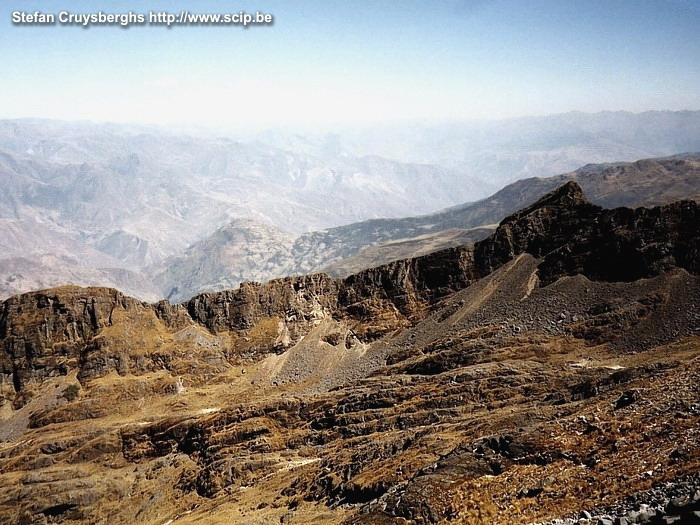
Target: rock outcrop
[
  {"x": 45, "y": 333},
  {"x": 574, "y": 236}
]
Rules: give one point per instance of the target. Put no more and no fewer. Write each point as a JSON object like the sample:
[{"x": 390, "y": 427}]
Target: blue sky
[{"x": 350, "y": 60}]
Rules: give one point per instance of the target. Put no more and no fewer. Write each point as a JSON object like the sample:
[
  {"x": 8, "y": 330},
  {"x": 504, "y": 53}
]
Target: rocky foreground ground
[{"x": 548, "y": 374}]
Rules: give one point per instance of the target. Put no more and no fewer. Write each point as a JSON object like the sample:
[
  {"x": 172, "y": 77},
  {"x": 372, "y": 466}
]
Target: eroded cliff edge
[{"x": 96, "y": 330}]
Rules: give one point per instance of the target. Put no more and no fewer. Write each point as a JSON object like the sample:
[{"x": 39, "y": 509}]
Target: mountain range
[
  {"x": 499, "y": 152},
  {"x": 249, "y": 251},
  {"x": 162, "y": 214},
  {"x": 545, "y": 373}
]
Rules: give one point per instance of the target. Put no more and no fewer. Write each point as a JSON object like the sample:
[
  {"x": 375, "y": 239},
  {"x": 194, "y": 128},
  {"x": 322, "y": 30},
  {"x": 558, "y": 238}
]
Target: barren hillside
[{"x": 548, "y": 371}]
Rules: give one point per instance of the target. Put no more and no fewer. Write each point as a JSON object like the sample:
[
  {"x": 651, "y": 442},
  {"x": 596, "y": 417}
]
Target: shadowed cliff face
[
  {"x": 374, "y": 301},
  {"x": 50, "y": 333}
]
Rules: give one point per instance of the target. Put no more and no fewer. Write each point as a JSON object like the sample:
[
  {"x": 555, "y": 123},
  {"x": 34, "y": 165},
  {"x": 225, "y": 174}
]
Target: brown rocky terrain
[{"x": 550, "y": 369}]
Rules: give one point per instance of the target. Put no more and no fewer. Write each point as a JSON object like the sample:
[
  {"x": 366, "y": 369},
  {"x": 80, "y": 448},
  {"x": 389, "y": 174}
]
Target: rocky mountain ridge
[
  {"x": 509, "y": 382},
  {"x": 567, "y": 233}
]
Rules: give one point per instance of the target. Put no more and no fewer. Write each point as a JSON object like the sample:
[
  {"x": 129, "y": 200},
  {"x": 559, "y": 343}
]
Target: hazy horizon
[
  {"x": 314, "y": 128},
  {"x": 324, "y": 63}
]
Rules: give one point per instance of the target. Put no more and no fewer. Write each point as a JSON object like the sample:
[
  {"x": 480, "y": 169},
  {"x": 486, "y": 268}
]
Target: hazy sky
[{"x": 344, "y": 60}]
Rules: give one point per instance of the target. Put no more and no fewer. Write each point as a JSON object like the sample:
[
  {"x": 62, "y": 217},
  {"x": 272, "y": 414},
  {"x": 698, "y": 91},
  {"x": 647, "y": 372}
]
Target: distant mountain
[
  {"x": 257, "y": 252},
  {"x": 241, "y": 251},
  {"x": 117, "y": 196},
  {"x": 18, "y": 274},
  {"x": 19, "y": 238},
  {"x": 648, "y": 182},
  {"x": 33, "y": 256},
  {"x": 499, "y": 152},
  {"x": 113, "y": 179}
]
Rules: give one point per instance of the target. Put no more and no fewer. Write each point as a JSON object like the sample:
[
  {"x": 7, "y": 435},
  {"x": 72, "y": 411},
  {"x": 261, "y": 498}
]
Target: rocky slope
[{"x": 515, "y": 381}]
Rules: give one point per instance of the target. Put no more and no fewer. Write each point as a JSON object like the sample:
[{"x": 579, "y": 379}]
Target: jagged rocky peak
[
  {"x": 567, "y": 195},
  {"x": 537, "y": 229},
  {"x": 574, "y": 236}
]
